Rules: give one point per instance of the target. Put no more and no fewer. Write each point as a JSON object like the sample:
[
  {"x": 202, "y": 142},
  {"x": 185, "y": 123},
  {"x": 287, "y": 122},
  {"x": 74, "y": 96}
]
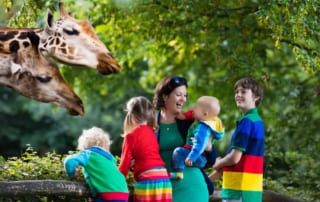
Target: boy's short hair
[
  {"x": 251, "y": 83},
  {"x": 93, "y": 137}
]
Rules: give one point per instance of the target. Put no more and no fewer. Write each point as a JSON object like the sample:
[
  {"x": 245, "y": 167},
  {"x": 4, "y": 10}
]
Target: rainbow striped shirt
[{"x": 245, "y": 179}]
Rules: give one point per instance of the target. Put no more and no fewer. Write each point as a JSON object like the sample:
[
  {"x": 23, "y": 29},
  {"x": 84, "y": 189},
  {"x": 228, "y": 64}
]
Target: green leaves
[
  {"x": 31, "y": 166},
  {"x": 297, "y": 24}
]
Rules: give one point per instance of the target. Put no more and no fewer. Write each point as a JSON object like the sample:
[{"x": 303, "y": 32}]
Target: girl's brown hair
[{"x": 140, "y": 110}]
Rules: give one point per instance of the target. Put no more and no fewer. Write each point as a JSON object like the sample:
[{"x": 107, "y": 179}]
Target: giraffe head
[
  {"x": 75, "y": 42},
  {"x": 47, "y": 87},
  {"x": 25, "y": 70}
]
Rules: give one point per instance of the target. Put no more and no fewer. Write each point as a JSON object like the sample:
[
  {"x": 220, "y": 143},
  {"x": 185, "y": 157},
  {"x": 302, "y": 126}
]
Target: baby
[{"x": 201, "y": 135}]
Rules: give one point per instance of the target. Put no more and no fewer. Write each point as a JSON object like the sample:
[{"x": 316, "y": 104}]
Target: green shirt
[{"x": 192, "y": 188}]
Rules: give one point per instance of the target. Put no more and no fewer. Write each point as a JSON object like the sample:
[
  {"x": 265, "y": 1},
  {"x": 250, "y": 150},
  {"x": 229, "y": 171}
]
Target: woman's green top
[{"x": 192, "y": 188}]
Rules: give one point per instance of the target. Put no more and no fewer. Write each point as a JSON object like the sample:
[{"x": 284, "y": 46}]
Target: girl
[{"x": 140, "y": 146}]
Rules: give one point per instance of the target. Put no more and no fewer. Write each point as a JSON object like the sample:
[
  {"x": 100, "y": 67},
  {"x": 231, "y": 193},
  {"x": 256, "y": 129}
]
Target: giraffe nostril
[
  {"x": 73, "y": 112},
  {"x": 78, "y": 109},
  {"x": 108, "y": 69},
  {"x": 79, "y": 102}
]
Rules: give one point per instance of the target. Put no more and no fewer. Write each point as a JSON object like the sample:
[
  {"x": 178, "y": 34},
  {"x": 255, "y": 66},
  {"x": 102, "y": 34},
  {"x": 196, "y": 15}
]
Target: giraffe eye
[
  {"x": 43, "y": 79},
  {"x": 70, "y": 31}
]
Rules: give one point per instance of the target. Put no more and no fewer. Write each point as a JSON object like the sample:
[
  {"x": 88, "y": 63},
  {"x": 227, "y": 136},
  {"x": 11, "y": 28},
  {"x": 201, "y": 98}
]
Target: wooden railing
[
  {"x": 62, "y": 190},
  {"x": 34, "y": 190}
]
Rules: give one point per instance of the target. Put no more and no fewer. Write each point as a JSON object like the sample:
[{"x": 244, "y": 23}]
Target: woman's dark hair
[
  {"x": 165, "y": 87},
  {"x": 251, "y": 83}
]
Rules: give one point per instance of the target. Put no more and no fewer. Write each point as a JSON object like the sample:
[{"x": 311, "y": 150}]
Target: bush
[{"x": 31, "y": 166}]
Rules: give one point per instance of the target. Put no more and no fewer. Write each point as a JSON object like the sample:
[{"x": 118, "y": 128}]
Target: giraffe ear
[{"x": 49, "y": 18}]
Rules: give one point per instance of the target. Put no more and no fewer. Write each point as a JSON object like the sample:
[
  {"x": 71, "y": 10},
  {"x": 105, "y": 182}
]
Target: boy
[
  {"x": 207, "y": 128},
  {"x": 105, "y": 181},
  {"x": 242, "y": 167}
]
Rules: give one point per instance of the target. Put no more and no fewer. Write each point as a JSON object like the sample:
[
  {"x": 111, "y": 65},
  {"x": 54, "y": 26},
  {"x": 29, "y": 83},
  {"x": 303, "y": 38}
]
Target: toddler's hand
[
  {"x": 188, "y": 162},
  {"x": 78, "y": 171}
]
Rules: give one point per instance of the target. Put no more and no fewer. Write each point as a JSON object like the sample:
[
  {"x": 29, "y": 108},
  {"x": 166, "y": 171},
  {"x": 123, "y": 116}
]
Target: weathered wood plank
[
  {"x": 79, "y": 189},
  {"x": 43, "y": 188}
]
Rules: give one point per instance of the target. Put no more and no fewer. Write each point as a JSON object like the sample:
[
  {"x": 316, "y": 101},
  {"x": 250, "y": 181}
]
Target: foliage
[
  {"x": 296, "y": 23},
  {"x": 212, "y": 44},
  {"x": 32, "y": 166}
]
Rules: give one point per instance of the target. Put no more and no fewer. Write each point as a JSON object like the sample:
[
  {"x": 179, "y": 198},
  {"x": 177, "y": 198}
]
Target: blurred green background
[{"x": 212, "y": 44}]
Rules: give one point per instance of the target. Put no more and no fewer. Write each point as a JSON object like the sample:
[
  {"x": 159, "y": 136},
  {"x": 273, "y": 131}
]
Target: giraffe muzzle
[{"x": 108, "y": 65}]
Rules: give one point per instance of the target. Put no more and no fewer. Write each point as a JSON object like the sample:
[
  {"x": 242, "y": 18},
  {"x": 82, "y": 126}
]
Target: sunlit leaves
[
  {"x": 31, "y": 166},
  {"x": 296, "y": 23}
]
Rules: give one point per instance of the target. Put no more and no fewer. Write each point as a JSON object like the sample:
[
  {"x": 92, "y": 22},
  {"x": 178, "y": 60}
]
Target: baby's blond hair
[
  {"x": 94, "y": 137},
  {"x": 210, "y": 104}
]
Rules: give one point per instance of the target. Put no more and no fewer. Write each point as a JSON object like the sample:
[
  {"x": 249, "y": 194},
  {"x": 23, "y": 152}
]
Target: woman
[{"x": 170, "y": 96}]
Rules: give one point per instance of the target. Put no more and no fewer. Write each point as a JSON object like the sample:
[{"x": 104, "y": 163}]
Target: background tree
[{"x": 212, "y": 44}]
